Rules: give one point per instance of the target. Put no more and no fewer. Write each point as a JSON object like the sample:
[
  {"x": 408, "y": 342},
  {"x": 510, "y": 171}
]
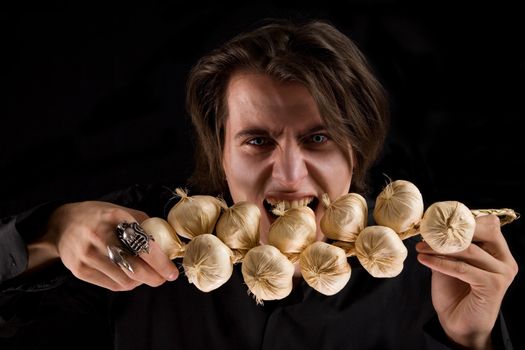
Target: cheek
[
  {"x": 334, "y": 174},
  {"x": 345, "y": 176},
  {"x": 244, "y": 176}
]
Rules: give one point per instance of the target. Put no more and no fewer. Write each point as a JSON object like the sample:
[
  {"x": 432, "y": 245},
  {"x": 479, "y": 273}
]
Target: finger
[
  {"x": 101, "y": 279},
  {"x": 473, "y": 255},
  {"x": 140, "y": 272},
  {"x": 143, "y": 272},
  {"x": 159, "y": 262},
  {"x": 122, "y": 276},
  {"x": 155, "y": 257},
  {"x": 137, "y": 269},
  {"x": 152, "y": 268},
  {"x": 95, "y": 257},
  {"x": 117, "y": 215},
  {"x": 487, "y": 228},
  {"x": 456, "y": 268},
  {"x": 488, "y": 237}
]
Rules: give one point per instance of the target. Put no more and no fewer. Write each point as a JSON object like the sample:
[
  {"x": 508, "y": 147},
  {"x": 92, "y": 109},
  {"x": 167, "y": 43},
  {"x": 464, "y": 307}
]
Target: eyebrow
[{"x": 250, "y": 132}]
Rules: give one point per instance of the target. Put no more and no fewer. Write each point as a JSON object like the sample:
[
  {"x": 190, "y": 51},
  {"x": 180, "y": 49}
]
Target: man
[{"x": 285, "y": 112}]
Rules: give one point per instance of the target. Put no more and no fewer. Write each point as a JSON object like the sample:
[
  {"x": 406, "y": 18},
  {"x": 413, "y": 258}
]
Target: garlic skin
[
  {"x": 238, "y": 226},
  {"x": 267, "y": 273},
  {"x": 448, "y": 227},
  {"x": 165, "y": 236},
  {"x": 194, "y": 215},
  {"x": 345, "y": 217},
  {"x": 207, "y": 262},
  {"x": 381, "y": 251},
  {"x": 293, "y": 230},
  {"x": 399, "y": 206},
  {"x": 325, "y": 267}
]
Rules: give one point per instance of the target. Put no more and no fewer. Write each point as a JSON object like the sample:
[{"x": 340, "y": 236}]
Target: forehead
[{"x": 254, "y": 99}]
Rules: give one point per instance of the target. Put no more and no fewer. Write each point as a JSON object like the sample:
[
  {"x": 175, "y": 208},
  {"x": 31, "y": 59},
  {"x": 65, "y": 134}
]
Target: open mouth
[{"x": 269, "y": 205}]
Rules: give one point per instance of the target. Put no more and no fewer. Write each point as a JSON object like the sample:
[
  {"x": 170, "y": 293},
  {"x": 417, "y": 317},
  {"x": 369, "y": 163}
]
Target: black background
[{"x": 93, "y": 99}]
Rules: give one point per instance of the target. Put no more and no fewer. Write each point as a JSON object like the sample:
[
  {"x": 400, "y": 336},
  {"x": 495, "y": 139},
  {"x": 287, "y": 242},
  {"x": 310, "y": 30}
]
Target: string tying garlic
[{"x": 268, "y": 270}]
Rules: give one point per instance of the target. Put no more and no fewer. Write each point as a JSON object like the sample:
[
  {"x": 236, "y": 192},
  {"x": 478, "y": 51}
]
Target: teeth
[{"x": 291, "y": 204}]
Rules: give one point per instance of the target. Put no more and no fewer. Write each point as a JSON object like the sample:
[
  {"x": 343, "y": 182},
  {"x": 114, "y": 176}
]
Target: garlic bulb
[
  {"x": 293, "y": 230},
  {"x": 194, "y": 215},
  {"x": 325, "y": 268},
  {"x": 267, "y": 273},
  {"x": 345, "y": 217},
  {"x": 238, "y": 226},
  {"x": 399, "y": 206},
  {"x": 448, "y": 227},
  {"x": 380, "y": 251},
  {"x": 165, "y": 236},
  {"x": 207, "y": 262}
]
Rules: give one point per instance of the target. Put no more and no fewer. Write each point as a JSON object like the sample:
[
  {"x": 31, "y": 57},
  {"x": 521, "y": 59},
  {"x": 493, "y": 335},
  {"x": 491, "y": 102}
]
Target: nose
[{"x": 289, "y": 167}]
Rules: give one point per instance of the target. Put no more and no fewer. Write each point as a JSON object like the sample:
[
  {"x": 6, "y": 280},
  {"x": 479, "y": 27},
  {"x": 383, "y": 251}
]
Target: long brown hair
[{"x": 351, "y": 101}]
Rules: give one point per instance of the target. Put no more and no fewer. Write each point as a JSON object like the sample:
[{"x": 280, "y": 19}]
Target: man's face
[{"x": 276, "y": 148}]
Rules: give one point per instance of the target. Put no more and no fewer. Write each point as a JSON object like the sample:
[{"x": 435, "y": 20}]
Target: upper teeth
[{"x": 291, "y": 204}]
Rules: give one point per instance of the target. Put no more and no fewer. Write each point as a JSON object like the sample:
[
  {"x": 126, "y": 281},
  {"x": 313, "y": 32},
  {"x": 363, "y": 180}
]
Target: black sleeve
[
  {"x": 21, "y": 295},
  {"x": 437, "y": 339},
  {"x": 15, "y": 232},
  {"x": 13, "y": 255},
  {"x": 500, "y": 334}
]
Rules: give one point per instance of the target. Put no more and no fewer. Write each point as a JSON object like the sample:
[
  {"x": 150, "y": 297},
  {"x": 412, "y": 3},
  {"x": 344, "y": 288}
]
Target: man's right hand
[{"x": 79, "y": 233}]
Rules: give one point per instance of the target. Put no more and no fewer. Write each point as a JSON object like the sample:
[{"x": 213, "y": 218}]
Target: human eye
[
  {"x": 318, "y": 139},
  {"x": 258, "y": 141}
]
